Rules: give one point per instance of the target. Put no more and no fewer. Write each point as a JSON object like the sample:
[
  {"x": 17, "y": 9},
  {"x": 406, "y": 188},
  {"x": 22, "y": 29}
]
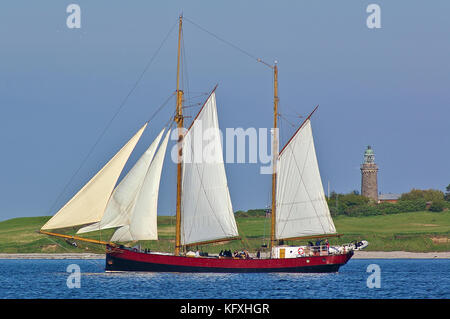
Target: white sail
[
  {"x": 122, "y": 200},
  {"x": 142, "y": 224},
  {"x": 301, "y": 206},
  {"x": 206, "y": 213},
  {"x": 88, "y": 205}
]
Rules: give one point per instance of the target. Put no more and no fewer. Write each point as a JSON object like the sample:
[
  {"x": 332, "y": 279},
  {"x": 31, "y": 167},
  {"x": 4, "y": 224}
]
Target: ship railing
[{"x": 321, "y": 250}]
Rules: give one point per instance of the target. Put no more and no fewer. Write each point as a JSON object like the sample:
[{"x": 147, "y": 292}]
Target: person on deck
[{"x": 317, "y": 247}]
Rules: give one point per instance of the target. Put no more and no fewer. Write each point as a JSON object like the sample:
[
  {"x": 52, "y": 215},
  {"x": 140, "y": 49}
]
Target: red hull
[{"x": 118, "y": 259}]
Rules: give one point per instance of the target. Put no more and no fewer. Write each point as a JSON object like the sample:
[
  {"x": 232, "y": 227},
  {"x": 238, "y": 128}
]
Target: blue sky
[{"x": 60, "y": 87}]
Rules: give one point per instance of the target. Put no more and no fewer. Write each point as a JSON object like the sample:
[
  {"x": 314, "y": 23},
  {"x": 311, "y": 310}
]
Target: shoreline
[
  {"x": 400, "y": 255},
  {"x": 357, "y": 255}
]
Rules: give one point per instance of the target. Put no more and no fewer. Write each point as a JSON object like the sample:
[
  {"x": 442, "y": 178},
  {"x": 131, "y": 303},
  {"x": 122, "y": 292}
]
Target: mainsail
[
  {"x": 88, "y": 205},
  {"x": 207, "y": 213},
  {"x": 142, "y": 222},
  {"x": 123, "y": 199},
  {"x": 301, "y": 207}
]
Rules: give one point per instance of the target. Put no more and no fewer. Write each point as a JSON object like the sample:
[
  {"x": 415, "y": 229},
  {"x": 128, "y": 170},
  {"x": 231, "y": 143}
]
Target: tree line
[{"x": 354, "y": 204}]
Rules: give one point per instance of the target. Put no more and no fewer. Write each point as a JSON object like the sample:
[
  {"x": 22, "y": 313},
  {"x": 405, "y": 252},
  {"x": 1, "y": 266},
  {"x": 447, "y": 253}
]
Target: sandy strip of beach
[
  {"x": 400, "y": 255},
  {"x": 357, "y": 255}
]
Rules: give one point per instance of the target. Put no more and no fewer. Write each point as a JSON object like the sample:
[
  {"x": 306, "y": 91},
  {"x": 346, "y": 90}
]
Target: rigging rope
[
  {"x": 229, "y": 43},
  {"x": 185, "y": 78},
  {"x": 284, "y": 118}
]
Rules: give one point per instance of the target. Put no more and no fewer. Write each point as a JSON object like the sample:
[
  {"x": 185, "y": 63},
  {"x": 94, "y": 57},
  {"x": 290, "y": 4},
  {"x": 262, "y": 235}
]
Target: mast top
[{"x": 267, "y": 64}]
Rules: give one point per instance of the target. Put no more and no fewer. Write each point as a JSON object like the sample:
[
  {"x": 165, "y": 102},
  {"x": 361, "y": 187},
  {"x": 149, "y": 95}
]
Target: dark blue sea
[{"x": 359, "y": 279}]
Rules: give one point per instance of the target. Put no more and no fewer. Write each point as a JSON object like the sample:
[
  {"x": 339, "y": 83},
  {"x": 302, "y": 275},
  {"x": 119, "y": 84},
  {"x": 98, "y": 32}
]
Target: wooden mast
[
  {"x": 179, "y": 120},
  {"x": 273, "y": 240}
]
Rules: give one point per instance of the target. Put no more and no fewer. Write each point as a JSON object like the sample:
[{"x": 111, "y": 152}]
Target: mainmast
[
  {"x": 179, "y": 120},
  {"x": 275, "y": 155}
]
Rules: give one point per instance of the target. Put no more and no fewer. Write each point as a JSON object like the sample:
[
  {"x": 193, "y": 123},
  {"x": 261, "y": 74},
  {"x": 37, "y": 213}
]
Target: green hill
[{"x": 415, "y": 232}]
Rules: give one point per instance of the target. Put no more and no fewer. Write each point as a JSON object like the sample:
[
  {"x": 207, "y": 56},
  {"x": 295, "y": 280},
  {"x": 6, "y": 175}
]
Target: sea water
[{"x": 358, "y": 279}]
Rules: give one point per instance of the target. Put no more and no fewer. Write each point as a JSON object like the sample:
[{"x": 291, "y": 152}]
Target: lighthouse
[{"x": 369, "y": 172}]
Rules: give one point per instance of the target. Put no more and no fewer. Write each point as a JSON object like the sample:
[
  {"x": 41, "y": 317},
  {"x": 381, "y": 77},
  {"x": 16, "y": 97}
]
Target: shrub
[
  {"x": 356, "y": 205},
  {"x": 363, "y": 210},
  {"x": 428, "y": 195},
  {"x": 256, "y": 212},
  {"x": 333, "y": 210},
  {"x": 389, "y": 208},
  {"x": 447, "y": 194},
  {"x": 251, "y": 213},
  {"x": 437, "y": 206},
  {"x": 412, "y": 205}
]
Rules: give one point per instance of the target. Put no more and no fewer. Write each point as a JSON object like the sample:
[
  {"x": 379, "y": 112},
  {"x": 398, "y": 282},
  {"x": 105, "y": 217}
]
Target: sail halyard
[{"x": 88, "y": 204}]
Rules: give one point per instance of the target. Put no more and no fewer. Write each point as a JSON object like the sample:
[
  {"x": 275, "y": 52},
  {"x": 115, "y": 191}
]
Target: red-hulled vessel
[
  {"x": 127, "y": 259},
  {"x": 204, "y": 211}
]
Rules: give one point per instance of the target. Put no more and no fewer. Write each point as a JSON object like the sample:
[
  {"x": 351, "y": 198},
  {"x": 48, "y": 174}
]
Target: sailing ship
[{"x": 204, "y": 212}]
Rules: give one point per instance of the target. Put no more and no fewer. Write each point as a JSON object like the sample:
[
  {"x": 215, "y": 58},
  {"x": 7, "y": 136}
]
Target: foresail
[
  {"x": 207, "y": 213},
  {"x": 123, "y": 198},
  {"x": 301, "y": 206},
  {"x": 142, "y": 223},
  {"x": 88, "y": 205}
]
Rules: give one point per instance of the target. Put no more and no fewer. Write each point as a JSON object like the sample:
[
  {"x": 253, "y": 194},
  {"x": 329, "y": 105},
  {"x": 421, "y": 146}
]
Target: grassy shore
[{"x": 410, "y": 232}]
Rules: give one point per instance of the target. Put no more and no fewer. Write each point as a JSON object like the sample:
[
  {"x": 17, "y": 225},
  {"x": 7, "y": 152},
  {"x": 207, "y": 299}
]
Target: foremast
[{"x": 180, "y": 122}]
